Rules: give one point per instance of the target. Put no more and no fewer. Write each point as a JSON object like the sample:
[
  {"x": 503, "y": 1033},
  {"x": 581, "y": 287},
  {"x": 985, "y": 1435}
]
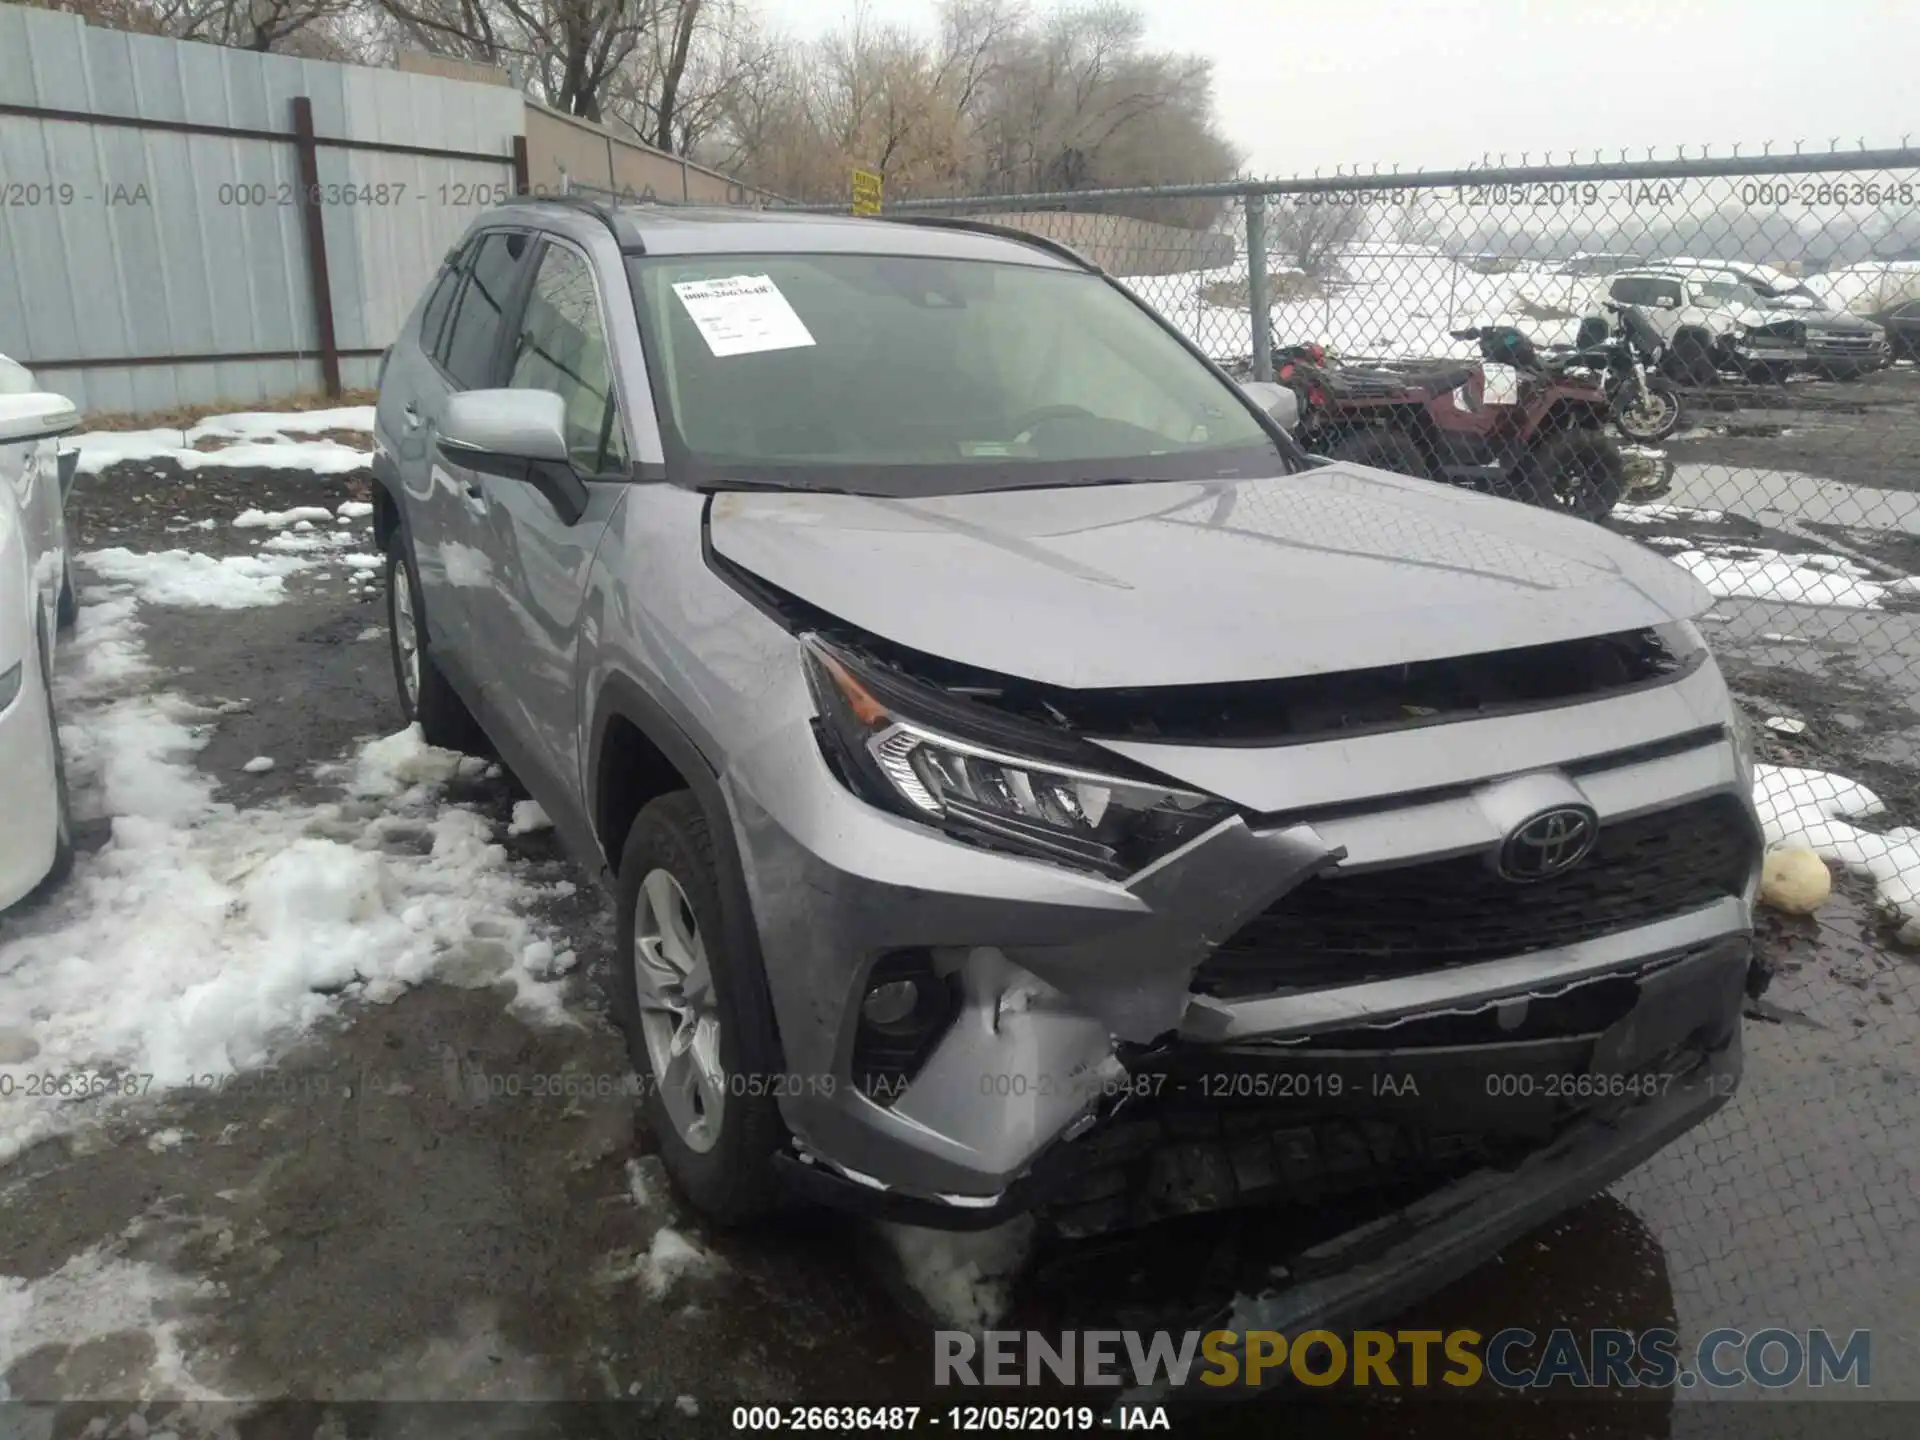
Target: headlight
[
  {"x": 10, "y": 684},
  {"x": 894, "y": 743}
]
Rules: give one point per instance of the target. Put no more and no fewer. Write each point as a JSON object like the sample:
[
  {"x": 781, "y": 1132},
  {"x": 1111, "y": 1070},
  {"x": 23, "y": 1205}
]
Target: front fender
[{"x": 19, "y": 597}]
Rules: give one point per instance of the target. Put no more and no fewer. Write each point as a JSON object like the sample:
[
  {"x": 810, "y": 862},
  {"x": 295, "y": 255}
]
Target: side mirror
[
  {"x": 35, "y": 415},
  {"x": 1277, "y": 400},
  {"x": 517, "y": 434},
  {"x": 499, "y": 431}
]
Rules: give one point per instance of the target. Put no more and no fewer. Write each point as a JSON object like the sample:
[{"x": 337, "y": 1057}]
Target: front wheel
[
  {"x": 1652, "y": 415},
  {"x": 697, "y": 1016},
  {"x": 1690, "y": 359},
  {"x": 1579, "y": 473}
]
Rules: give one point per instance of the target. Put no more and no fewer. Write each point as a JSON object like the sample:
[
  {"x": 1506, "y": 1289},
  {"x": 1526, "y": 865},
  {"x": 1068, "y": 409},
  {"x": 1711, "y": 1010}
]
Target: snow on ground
[
  {"x": 1814, "y": 809},
  {"x": 528, "y": 818},
  {"x": 1653, "y": 511},
  {"x": 250, "y": 438},
  {"x": 1388, "y": 304},
  {"x": 93, "y": 1296},
  {"x": 203, "y": 937},
  {"x": 1754, "y": 573},
  {"x": 670, "y": 1256},
  {"x": 189, "y": 578},
  {"x": 965, "y": 1277},
  {"x": 280, "y": 519}
]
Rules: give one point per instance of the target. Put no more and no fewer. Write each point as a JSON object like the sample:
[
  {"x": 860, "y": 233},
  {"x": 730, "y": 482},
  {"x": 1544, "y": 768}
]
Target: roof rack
[{"x": 1005, "y": 232}]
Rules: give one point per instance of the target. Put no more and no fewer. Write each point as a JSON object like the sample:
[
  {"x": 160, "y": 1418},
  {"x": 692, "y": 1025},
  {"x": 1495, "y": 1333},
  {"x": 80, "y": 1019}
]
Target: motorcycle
[{"x": 1633, "y": 358}]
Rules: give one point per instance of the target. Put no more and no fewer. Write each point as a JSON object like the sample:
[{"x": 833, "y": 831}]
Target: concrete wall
[{"x": 563, "y": 148}]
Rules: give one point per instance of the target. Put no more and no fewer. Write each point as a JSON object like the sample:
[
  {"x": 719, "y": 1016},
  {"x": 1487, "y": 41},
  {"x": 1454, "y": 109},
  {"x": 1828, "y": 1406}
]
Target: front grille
[
  {"x": 1843, "y": 344},
  {"x": 1374, "y": 925}
]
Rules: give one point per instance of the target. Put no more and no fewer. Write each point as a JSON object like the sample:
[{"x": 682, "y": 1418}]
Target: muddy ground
[{"x": 370, "y": 1220}]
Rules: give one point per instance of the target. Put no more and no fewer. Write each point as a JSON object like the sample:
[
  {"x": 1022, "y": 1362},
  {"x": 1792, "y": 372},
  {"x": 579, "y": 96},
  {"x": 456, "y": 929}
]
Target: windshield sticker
[{"x": 742, "y": 315}]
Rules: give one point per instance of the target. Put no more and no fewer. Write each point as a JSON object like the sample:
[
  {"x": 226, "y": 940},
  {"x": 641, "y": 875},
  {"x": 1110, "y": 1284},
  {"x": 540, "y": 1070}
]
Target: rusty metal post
[{"x": 307, "y": 154}]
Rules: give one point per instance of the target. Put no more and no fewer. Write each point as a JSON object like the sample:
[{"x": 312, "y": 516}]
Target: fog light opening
[
  {"x": 906, "y": 1008},
  {"x": 891, "y": 1004}
]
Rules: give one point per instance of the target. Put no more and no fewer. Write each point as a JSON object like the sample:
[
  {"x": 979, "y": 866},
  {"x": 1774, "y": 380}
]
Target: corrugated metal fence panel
[
  {"x": 381, "y": 253},
  {"x": 171, "y": 243}
]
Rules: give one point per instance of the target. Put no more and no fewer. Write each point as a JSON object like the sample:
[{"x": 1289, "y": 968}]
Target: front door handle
[
  {"x": 475, "y": 497},
  {"x": 412, "y": 416}
]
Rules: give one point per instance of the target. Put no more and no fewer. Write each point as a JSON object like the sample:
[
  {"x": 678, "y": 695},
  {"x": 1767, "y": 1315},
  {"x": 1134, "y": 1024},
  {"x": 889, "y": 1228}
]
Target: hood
[
  {"x": 1338, "y": 568},
  {"x": 1812, "y": 317}
]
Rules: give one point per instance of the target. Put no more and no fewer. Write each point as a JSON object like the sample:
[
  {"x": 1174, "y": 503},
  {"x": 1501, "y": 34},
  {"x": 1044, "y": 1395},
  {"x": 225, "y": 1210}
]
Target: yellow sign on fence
[{"x": 867, "y": 187}]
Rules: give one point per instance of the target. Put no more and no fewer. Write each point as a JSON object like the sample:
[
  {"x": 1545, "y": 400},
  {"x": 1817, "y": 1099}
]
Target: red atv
[{"x": 1547, "y": 445}]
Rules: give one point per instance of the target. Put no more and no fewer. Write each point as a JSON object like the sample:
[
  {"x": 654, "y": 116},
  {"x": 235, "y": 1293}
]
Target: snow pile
[
  {"x": 966, "y": 1277},
  {"x": 401, "y": 764},
  {"x": 279, "y": 519},
  {"x": 264, "y": 439},
  {"x": 1653, "y": 511},
  {"x": 1812, "y": 809},
  {"x": 528, "y": 818},
  {"x": 1753, "y": 573},
  {"x": 202, "y": 937},
  {"x": 288, "y": 543},
  {"x": 187, "y": 577},
  {"x": 670, "y": 1257}
]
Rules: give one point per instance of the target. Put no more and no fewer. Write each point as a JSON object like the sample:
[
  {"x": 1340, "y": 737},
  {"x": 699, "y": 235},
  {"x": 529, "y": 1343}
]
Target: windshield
[
  {"x": 1719, "y": 293},
  {"x": 918, "y": 375}
]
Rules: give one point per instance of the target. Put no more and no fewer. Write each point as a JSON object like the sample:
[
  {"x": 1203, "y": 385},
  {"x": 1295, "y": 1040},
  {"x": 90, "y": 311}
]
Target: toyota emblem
[{"x": 1550, "y": 843}]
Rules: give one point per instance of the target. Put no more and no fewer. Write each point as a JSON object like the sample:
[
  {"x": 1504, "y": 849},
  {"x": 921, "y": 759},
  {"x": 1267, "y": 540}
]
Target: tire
[
  {"x": 1579, "y": 472},
  {"x": 425, "y": 697},
  {"x": 1383, "y": 449},
  {"x": 725, "y": 1170},
  {"x": 1690, "y": 358},
  {"x": 1654, "y": 420},
  {"x": 67, "y": 609}
]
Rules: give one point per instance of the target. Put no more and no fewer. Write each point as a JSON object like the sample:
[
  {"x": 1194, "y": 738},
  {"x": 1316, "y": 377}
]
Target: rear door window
[
  {"x": 473, "y": 338},
  {"x": 434, "y": 318}
]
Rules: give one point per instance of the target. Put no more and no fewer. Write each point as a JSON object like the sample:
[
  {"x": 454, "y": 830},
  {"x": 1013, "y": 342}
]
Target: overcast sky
[{"x": 1300, "y": 85}]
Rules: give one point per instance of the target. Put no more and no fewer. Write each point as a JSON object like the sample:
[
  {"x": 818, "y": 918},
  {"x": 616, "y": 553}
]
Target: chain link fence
[{"x": 1716, "y": 358}]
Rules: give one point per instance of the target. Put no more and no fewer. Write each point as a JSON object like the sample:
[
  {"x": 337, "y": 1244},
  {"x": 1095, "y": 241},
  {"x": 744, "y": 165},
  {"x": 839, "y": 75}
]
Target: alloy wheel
[
  {"x": 679, "y": 1016},
  {"x": 406, "y": 637},
  {"x": 1645, "y": 419}
]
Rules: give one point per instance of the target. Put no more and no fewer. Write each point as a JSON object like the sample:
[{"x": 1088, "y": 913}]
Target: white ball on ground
[{"x": 1796, "y": 881}]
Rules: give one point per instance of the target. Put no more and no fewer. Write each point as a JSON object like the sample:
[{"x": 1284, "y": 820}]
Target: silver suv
[{"x": 1027, "y": 781}]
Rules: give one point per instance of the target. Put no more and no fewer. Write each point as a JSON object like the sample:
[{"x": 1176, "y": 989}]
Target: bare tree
[
  {"x": 1308, "y": 233},
  {"x": 321, "y": 29}
]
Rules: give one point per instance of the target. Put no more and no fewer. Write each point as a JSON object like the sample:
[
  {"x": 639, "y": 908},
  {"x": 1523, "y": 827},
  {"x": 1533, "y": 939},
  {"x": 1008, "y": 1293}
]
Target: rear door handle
[
  {"x": 413, "y": 417},
  {"x": 475, "y": 497}
]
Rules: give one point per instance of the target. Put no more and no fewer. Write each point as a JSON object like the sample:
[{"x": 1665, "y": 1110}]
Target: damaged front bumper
[{"x": 1083, "y": 1034}]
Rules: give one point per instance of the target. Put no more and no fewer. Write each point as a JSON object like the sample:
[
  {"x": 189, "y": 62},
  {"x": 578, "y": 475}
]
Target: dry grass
[
  {"x": 182, "y": 416},
  {"x": 1287, "y": 285}
]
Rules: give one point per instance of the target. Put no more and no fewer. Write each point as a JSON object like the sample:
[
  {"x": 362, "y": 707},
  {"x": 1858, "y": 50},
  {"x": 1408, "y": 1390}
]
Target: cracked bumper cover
[{"x": 1056, "y": 970}]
